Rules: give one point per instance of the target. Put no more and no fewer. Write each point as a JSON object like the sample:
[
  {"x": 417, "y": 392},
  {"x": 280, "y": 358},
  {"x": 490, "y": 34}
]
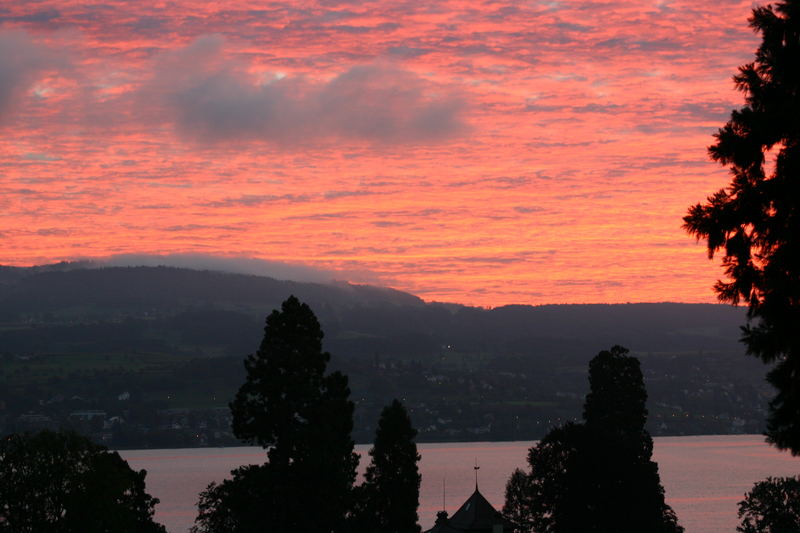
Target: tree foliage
[
  {"x": 303, "y": 417},
  {"x": 237, "y": 504},
  {"x": 556, "y": 495},
  {"x": 519, "y": 504},
  {"x": 388, "y": 499},
  {"x": 597, "y": 476},
  {"x": 64, "y": 482},
  {"x": 617, "y": 398},
  {"x": 755, "y": 220},
  {"x": 284, "y": 382},
  {"x": 772, "y": 506}
]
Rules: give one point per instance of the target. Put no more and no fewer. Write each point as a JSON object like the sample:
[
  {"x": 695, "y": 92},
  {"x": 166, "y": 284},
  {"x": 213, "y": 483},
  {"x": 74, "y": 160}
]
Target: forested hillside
[{"x": 170, "y": 341}]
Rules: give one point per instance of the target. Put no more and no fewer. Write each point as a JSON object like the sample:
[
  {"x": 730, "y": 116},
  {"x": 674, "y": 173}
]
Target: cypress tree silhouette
[
  {"x": 755, "y": 221},
  {"x": 597, "y": 476},
  {"x": 388, "y": 499},
  {"x": 625, "y": 477},
  {"x": 304, "y": 418}
]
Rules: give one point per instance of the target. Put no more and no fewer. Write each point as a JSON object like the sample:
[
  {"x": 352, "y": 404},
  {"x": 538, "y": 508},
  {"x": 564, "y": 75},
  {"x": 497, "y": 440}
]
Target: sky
[{"x": 484, "y": 153}]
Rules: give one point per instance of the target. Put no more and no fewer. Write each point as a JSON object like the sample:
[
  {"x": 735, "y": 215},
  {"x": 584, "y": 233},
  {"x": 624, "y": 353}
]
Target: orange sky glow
[{"x": 485, "y": 153}]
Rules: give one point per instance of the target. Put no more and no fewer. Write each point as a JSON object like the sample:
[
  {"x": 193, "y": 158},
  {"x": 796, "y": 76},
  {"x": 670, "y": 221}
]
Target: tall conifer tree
[
  {"x": 755, "y": 220},
  {"x": 388, "y": 499},
  {"x": 304, "y": 419},
  {"x": 598, "y": 476}
]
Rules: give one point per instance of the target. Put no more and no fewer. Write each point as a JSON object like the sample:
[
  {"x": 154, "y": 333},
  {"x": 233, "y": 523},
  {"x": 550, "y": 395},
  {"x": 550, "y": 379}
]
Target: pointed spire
[{"x": 444, "y": 491}]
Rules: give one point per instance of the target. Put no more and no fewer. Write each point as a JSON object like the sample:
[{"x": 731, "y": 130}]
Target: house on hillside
[{"x": 476, "y": 515}]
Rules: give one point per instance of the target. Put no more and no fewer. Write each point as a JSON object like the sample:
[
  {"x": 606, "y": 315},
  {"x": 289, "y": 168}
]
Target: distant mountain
[
  {"x": 179, "y": 307},
  {"x": 164, "y": 289},
  {"x": 162, "y": 349}
]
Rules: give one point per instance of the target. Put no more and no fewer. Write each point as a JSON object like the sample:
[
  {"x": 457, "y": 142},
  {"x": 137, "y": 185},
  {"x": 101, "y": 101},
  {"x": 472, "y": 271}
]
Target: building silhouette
[{"x": 476, "y": 515}]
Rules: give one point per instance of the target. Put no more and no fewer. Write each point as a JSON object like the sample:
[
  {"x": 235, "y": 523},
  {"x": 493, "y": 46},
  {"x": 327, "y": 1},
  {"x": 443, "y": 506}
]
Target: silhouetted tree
[
  {"x": 518, "y": 507},
  {"x": 64, "y": 482},
  {"x": 236, "y": 504},
  {"x": 772, "y": 506},
  {"x": 388, "y": 499},
  {"x": 558, "y": 492},
  {"x": 617, "y": 398},
  {"x": 597, "y": 476},
  {"x": 304, "y": 418},
  {"x": 755, "y": 221}
]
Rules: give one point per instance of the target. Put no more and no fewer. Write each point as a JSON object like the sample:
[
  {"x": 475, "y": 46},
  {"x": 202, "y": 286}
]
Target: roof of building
[{"x": 476, "y": 515}]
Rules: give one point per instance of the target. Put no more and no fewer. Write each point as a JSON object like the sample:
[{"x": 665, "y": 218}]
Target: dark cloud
[
  {"x": 614, "y": 42},
  {"x": 204, "y": 227},
  {"x": 659, "y": 45},
  {"x": 388, "y": 224},
  {"x": 258, "y": 199},
  {"x": 587, "y": 108},
  {"x": 340, "y": 14},
  {"x": 38, "y": 156},
  {"x": 332, "y": 195},
  {"x": 147, "y": 25},
  {"x": 212, "y": 99},
  {"x": 716, "y": 112},
  {"x": 322, "y": 216},
  {"x": 262, "y": 199},
  {"x": 422, "y": 213},
  {"x": 476, "y": 49},
  {"x": 598, "y": 108},
  {"x": 360, "y": 250},
  {"x": 588, "y": 283},
  {"x": 407, "y": 51},
  {"x": 505, "y": 13},
  {"x": 532, "y": 105},
  {"x": 37, "y": 17},
  {"x": 526, "y": 209},
  {"x": 49, "y": 232},
  {"x": 501, "y": 182},
  {"x": 507, "y": 182},
  {"x": 360, "y": 30},
  {"x": 487, "y": 259},
  {"x": 645, "y": 45},
  {"x": 569, "y": 26},
  {"x": 22, "y": 62},
  {"x": 156, "y": 206}
]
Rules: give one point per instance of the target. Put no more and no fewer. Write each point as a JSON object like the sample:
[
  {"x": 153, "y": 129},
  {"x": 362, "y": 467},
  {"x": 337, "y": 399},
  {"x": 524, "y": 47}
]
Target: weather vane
[
  {"x": 476, "y": 468},
  {"x": 444, "y": 491}
]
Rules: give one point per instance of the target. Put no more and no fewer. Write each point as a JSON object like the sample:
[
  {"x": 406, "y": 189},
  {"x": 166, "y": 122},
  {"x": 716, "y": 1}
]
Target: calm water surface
[{"x": 704, "y": 477}]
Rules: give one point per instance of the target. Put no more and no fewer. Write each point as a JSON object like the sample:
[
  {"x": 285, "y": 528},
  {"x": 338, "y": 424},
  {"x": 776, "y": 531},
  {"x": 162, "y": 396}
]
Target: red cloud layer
[{"x": 482, "y": 153}]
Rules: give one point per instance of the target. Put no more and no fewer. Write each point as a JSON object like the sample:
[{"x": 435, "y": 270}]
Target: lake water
[{"x": 704, "y": 477}]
